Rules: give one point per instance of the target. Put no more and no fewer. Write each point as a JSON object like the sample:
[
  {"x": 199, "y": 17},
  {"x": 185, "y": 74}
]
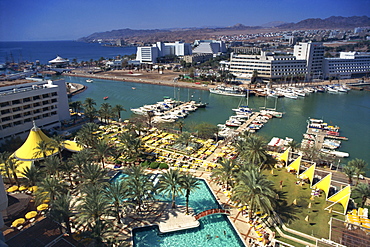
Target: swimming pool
[{"x": 214, "y": 230}]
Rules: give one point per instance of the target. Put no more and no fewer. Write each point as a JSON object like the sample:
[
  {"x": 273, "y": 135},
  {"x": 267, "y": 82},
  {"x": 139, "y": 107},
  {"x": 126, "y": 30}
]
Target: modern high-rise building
[
  {"x": 313, "y": 53},
  {"x": 45, "y": 102},
  {"x": 149, "y": 54}
]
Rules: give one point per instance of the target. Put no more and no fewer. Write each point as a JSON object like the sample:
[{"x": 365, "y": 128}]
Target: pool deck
[{"x": 178, "y": 220}]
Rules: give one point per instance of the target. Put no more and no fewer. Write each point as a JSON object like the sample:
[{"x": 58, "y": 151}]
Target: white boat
[
  {"x": 228, "y": 91},
  {"x": 290, "y": 95},
  {"x": 335, "y": 153},
  {"x": 331, "y": 90},
  {"x": 89, "y": 80}
]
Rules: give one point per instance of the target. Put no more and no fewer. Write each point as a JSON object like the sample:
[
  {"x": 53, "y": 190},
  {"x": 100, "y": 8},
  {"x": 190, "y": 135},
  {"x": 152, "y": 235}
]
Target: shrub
[
  {"x": 163, "y": 166},
  {"x": 154, "y": 165},
  {"x": 145, "y": 164}
]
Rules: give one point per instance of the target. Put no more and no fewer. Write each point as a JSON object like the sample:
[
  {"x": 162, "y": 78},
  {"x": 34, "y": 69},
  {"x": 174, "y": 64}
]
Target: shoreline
[{"x": 162, "y": 82}]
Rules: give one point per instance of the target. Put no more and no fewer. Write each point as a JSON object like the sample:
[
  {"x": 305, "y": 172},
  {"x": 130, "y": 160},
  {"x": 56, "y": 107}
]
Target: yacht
[{"x": 229, "y": 91}]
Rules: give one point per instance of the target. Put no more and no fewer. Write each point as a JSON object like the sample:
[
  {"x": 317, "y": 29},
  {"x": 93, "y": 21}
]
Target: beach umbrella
[
  {"x": 306, "y": 219},
  {"x": 22, "y": 188},
  {"x": 18, "y": 222},
  {"x": 42, "y": 207},
  {"x": 295, "y": 202},
  {"x": 309, "y": 205},
  {"x": 12, "y": 189},
  {"x": 30, "y": 215},
  {"x": 33, "y": 188}
]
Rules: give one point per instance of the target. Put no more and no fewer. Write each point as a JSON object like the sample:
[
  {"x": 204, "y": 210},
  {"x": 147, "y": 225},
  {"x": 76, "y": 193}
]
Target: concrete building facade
[
  {"x": 149, "y": 54},
  {"x": 348, "y": 65},
  {"x": 267, "y": 65},
  {"x": 45, "y": 102},
  {"x": 313, "y": 53}
]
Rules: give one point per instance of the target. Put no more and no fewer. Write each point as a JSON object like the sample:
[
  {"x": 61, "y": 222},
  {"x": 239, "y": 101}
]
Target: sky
[{"x": 42, "y": 20}]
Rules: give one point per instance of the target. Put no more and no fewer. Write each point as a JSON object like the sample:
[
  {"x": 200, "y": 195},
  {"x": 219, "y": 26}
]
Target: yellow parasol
[
  {"x": 18, "y": 222},
  {"x": 42, "y": 207},
  {"x": 12, "y": 189},
  {"x": 22, "y": 188},
  {"x": 33, "y": 188},
  {"x": 30, "y": 215}
]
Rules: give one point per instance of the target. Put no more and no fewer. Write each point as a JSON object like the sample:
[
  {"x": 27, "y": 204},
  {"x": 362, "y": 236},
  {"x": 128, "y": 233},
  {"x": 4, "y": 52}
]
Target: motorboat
[
  {"x": 106, "y": 97},
  {"x": 89, "y": 80}
]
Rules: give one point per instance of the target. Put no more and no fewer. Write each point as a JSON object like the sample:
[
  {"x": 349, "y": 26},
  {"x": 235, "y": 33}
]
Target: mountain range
[{"x": 193, "y": 33}]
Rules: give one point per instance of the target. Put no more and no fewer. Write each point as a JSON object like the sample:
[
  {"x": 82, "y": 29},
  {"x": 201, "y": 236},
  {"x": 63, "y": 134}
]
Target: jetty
[{"x": 245, "y": 125}]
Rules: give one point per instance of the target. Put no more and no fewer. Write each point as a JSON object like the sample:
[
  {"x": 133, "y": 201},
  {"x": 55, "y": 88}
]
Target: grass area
[
  {"x": 294, "y": 215},
  {"x": 288, "y": 241}
]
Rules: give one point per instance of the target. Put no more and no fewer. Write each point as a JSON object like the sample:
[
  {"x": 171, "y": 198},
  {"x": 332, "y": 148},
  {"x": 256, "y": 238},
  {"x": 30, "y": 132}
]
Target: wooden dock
[{"x": 245, "y": 125}]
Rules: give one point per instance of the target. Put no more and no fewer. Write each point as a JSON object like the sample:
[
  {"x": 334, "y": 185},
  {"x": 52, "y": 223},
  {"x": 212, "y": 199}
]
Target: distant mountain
[
  {"x": 191, "y": 33},
  {"x": 328, "y": 23},
  {"x": 273, "y": 24}
]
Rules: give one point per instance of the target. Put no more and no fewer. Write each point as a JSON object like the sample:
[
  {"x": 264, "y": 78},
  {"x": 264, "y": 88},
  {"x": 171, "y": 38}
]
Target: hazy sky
[{"x": 34, "y": 20}]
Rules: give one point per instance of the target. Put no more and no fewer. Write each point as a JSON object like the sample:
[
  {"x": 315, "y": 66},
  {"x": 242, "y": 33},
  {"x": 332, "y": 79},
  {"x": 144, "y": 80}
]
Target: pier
[{"x": 245, "y": 125}]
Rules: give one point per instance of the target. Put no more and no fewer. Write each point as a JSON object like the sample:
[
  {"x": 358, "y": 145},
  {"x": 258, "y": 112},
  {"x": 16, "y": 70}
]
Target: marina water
[{"x": 351, "y": 111}]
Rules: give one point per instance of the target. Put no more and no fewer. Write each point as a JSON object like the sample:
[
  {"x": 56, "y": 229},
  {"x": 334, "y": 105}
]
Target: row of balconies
[
  {"x": 18, "y": 122},
  {"x": 37, "y": 105},
  {"x": 22, "y": 114}
]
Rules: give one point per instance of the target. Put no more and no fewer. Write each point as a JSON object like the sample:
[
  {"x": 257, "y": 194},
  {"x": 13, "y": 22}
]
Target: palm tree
[
  {"x": 252, "y": 148},
  {"x": 362, "y": 190},
  {"x": 89, "y": 108},
  {"x": 52, "y": 165},
  {"x": 117, "y": 110},
  {"x": 170, "y": 184},
  {"x": 89, "y": 103},
  {"x": 225, "y": 171},
  {"x": 188, "y": 183},
  {"x": 49, "y": 188},
  {"x": 61, "y": 210},
  {"x": 102, "y": 149},
  {"x": 100, "y": 234},
  {"x": 293, "y": 145},
  {"x": 58, "y": 143},
  {"x": 4, "y": 156},
  {"x": 92, "y": 206},
  {"x": 32, "y": 174},
  {"x": 86, "y": 137},
  {"x": 81, "y": 158},
  {"x": 129, "y": 144},
  {"x": 350, "y": 171},
  {"x": 43, "y": 148},
  {"x": 360, "y": 165},
  {"x": 12, "y": 164},
  {"x": 92, "y": 174},
  {"x": 140, "y": 185},
  {"x": 117, "y": 193},
  {"x": 105, "y": 112},
  {"x": 184, "y": 138},
  {"x": 255, "y": 190}
]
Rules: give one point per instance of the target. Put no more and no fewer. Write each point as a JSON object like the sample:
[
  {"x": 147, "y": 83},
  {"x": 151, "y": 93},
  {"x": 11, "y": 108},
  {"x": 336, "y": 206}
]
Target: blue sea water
[{"x": 48, "y": 50}]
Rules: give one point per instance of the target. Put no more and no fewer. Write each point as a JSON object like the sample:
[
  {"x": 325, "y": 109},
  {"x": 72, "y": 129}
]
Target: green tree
[
  {"x": 189, "y": 183},
  {"x": 252, "y": 148},
  {"x": 43, "y": 148},
  {"x": 141, "y": 187},
  {"x": 255, "y": 190},
  {"x": 89, "y": 108},
  {"x": 12, "y": 164},
  {"x": 61, "y": 210},
  {"x": 350, "y": 172},
  {"x": 57, "y": 142},
  {"x": 105, "y": 112},
  {"x": 52, "y": 165},
  {"x": 129, "y": 144},
  {"x": 117, "y": 193},
  {"x": 117, "y": 110},
  {"x": 362, "y": 190},
  {"x": 49, "y": 188},
  {"x": 102, "y": 149},
  {"x": 4, "y": 156},
  {"x": 360, "y": 166},
  {"x": 206, "y": 130},
  {"x": 184, "y": 138},
  {"x": 32, "y": 174},
  {"x": 86, "y": 137},
  {"x": 170, "y": 184},
  {"x": 225, "y": 172},
  {"x": 93, "y": 174}
]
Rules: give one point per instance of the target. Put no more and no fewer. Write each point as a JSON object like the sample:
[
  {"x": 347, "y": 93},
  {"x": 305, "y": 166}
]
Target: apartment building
[{"x": 45, "y": 102}]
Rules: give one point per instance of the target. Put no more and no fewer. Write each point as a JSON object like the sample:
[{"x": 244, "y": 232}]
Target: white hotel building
[
  {"x": 268, "y": 66},
  {"x": 149, "y": 54},
  {"x": 45, "y": 102},
  {"x": 347, "y": 65}
]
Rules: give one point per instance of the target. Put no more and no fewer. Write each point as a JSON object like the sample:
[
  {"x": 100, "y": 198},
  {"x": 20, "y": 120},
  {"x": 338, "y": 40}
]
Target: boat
[
  {"x": 89, "y": 80},
  {"x": 228, "y": 91},
  {"x": 335, "y": 153},
  {"x": 133, "y": 88},
  {"x": 106, "y": 97}
]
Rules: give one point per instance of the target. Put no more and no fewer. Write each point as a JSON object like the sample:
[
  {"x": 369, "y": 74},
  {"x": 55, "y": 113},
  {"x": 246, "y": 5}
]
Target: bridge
[{"x": 212, "y": 211}]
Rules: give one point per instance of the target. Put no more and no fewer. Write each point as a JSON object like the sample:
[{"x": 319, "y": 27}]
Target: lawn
[{"x": 294, "y": 215}]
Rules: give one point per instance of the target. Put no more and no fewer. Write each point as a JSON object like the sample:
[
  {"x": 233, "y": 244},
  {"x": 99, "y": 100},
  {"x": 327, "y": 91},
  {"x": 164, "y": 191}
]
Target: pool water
[{"x": 214, "y": 230}]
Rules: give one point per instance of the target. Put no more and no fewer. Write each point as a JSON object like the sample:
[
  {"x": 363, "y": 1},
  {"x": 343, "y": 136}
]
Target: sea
[{"x": 351, "y": 111}]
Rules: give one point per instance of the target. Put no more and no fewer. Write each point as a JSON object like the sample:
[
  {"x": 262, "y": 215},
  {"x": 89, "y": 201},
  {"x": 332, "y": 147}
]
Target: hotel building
[
  {"x": 348, "y": 65},
  {"x": 149, "y": 54},
  {"x": 45, "y": 102},
  {"x": 268, "y": 66},
  {"x": 313, "y": 53}
]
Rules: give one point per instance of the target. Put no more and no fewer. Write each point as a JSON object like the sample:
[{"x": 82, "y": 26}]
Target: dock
[{"x": 245, "y": 125}]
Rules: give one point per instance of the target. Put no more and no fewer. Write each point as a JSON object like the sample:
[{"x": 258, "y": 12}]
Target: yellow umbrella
[
  {"x": 30, "y": 215},
  {"x": 42, "y": 207},
  {"x": 12, "y": 189},
  {"x": 33, "y": 188},
  {"x": 22, "y": 188},
  {"x": 18, "y": 222}
]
